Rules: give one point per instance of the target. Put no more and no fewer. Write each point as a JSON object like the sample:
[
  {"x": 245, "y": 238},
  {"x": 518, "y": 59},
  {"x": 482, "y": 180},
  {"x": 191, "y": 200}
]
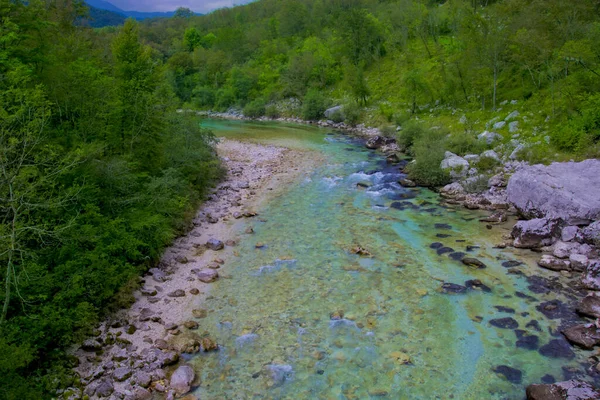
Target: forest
[
  {"x": 97, "y": 175},
  {"x": 98, "y": 172}
]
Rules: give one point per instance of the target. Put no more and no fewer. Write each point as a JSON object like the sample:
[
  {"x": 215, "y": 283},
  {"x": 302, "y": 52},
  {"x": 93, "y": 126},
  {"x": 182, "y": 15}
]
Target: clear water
[{"x": 400, "y": 336}]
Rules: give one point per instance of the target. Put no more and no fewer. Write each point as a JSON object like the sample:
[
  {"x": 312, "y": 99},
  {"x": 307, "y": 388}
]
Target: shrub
[
  {"x": 225, "y": 99},
  {"x": 255, "y": 109},
  {"x": 314, "y": 105},
  {"x": 204, "y": 97},
  {"x": 352, "y": 114},
  {"x": 411, "y": 132},
  {"x": 271, "y": 111},
  {"x": 337, "y": 116},
  {"x": 428, "y": 152},
  {"x": 486, "y": 163},
  {"x": 388, "y": 131},
  {"x": 476, "y": 184},
  {"x": 464, "y": 143}
]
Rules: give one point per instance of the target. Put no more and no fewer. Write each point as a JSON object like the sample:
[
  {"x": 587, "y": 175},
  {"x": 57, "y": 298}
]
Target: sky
[{"x": 201, "y": 6}]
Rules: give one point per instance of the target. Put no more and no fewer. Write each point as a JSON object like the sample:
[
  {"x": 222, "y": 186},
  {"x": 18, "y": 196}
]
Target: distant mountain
[
  {"x": 139, "y": 15},
  {"x": 99, "y": 18}
]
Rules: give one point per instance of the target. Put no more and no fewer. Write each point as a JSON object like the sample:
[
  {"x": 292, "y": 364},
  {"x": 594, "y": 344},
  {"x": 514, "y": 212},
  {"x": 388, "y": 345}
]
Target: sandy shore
[{"x": 130, "y": 357}]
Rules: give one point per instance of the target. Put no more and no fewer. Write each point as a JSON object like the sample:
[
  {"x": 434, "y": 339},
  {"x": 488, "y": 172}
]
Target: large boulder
[
  {"x": 568, "y": 390},
  {"x": 590, "y": 306},
  {"x": 535, "y": 233},
  {"x": 489, "y": 137},
  {"x": 591, "y": 277},
  {"x": 333, "y": 111},
  {"x": 591, "y": 234},
  {"x": 182, "y": 379},
  {"x": 585, "y": 335},
  {"x": 566, "y": 191},
  {"x": 458, "y": 166}
]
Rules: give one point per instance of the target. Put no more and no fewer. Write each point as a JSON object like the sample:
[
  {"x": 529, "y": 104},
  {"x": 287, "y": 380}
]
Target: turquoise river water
[{"x": 305, "y": 318}]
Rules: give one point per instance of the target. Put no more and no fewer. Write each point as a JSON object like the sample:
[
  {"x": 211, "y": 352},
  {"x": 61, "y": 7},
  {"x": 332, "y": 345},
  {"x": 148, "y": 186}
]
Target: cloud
[{"x": 202, "y": 6}]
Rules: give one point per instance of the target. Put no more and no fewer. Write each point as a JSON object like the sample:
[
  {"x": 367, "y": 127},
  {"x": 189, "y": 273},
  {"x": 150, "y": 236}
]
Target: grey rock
[
  {"x": 146, "y": 314},
  {"x": 91, "y": 345},
  {"x": 407, "y": 182},
  {"x": 489, "y": 137},
  {"x": 591, "y": 234},
  {"x": 214, "y": 244},
  {"x": 452, "y": 190},
  {"x": 535, "y": 233},
  {"x": 158, "y": 275},
  {"x": 471, "y": 158},
  {"x": 243, "y": 185},
  {"x": 564, "y": 250},
  {"x": 207, "y": 275},
  {"x": 499, "y": 125},
  {"x": 142, "y": 378},
  {"x": 568, "y": 390},
  {"x": 590, "y": 279},
  {"x": 566, "y": 191},
  {"x": 590, "y": 306},
  {"x": 182, "y": 379},
  {"x": 555, "y": 264},
  {"x": 490, "y": 154},
  {"x": 497, "y": 180},
  {"x": 569, "y": 233},
  {"x": 177, "y": 293},
  {"x": 458, "y": 166},
  {"x": 330, "y": 112},
  {"x": 104, "y": 388},
  {"x": 515, "y": 153},
  {"x": 579, "y": 262},
  {"x": 513, "y": 126},
  {"x": 122, "y": 373},
  {"x": 512, "y": 115},
  {"x": 140, "y": 393},
  {"x": 585, "y": 335}
]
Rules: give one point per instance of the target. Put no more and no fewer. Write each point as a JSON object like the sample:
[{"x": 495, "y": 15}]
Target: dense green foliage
[
  {"x": 97, "y": 175},
  {"x": 399, "y": 59}
]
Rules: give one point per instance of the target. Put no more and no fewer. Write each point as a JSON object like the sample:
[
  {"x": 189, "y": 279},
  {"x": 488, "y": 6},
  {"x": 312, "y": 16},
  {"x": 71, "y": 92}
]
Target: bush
[
  {"x": 204, "y": 97},
  {"x": 428, "y": 152},
  {"x": 271, "y": 111},
  {"x": 255, "y": 109},
  {"x": 388, "y": 131},
  {"x": 352, "y": 114},
  {"x": 465, "y": 143},
  {"x": 314, "y": 105},
  {"x": 411, "y": 132},
  {"x": 486, "y": 163},
  {"x": 337, "y": 116},
  {"x": 225, "y": 99}
]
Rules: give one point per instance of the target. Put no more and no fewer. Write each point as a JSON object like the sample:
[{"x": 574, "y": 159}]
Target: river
[{"x": 304, "y": 317}]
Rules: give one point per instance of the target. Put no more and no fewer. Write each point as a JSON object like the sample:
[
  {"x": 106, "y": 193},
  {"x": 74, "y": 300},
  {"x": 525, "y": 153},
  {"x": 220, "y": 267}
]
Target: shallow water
[{"x": 304, "y": 318}]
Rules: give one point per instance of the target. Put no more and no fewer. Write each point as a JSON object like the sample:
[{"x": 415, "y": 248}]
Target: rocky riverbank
[
  {"x": 558, "y": 207},
  {"x": 138, "y": 353}
]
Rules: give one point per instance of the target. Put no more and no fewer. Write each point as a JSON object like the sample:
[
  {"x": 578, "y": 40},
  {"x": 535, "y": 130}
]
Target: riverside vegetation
[{"x": 99, "y": 174}]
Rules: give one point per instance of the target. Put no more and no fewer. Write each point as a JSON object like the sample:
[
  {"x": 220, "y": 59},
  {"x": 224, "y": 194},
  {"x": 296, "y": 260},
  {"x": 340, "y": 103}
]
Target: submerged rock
[
  {"x": 453, "y": 288},
  {"x": 473, "y": 262},
  {"x": 504, "y": 323},
  {"x": 557, "y": 348},
  {"x": 512, "y": 375},
  {"x": 568, "y": 390},
  {"x": 182, "y": 379},
  {"x": 214, "y": 244},
  {"x": 566, "y": 191},
  {"x": 207, "y": 275}
]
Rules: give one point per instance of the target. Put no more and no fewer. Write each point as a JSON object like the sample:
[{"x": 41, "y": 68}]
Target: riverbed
[{"x": 303, "y": 316}]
